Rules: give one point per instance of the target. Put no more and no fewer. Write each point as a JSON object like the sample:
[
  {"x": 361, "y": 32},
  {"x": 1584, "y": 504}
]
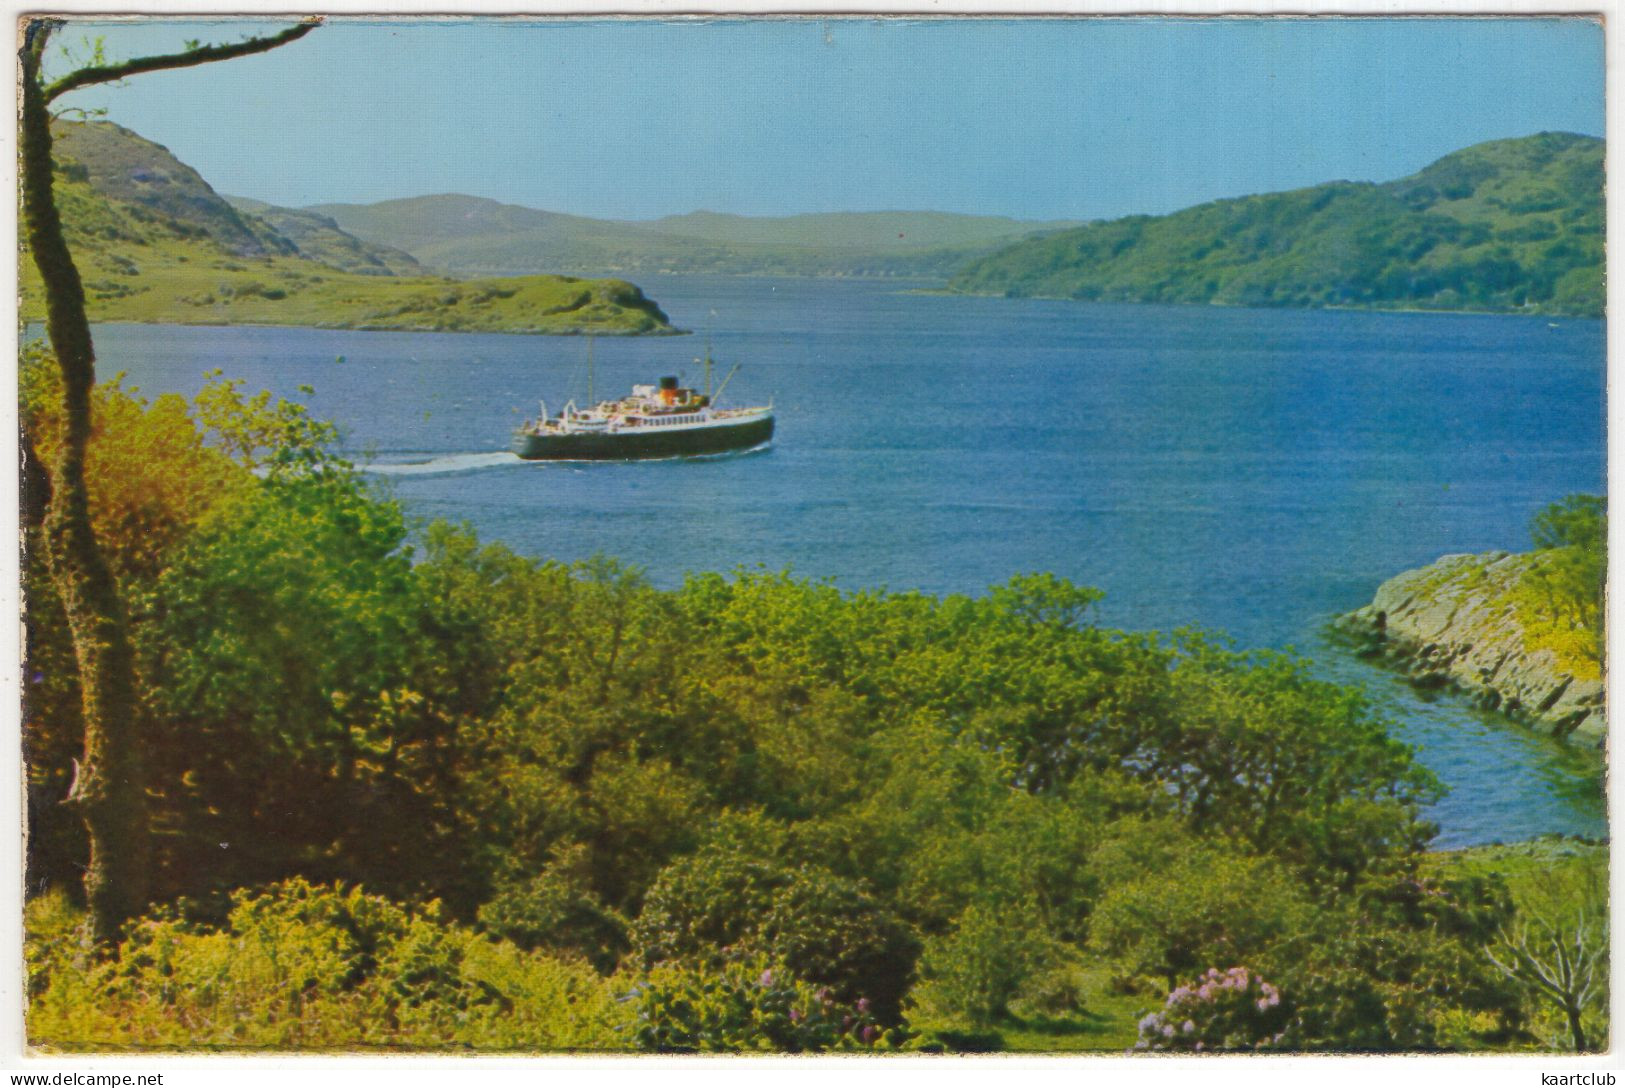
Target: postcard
[{"x": 844, "y": 536}]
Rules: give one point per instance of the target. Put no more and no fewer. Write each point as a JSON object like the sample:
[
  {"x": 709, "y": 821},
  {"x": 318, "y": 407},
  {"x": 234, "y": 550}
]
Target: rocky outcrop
[{"x": 1454, "y": 624}]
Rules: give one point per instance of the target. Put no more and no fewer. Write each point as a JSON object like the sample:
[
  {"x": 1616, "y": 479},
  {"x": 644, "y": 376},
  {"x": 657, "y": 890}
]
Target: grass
[
  {"x": 142, "y": 266},
  {"x": 1536, "y": 872},
  {"x": 1525, "y": 866},
  {"x": 191, "y": 283},
  {"x": 1107, "y": 1023}
]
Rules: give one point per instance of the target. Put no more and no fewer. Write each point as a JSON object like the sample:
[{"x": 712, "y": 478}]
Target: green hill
[
  {"x": 472, "y": 236},
  {"x": 418, "y": 222},
  {"x": 320, "y": 239},
  {"x": 155, "y": 243},
  {"x": 1507, "y": 226},
  {"x": 853, "y": 230}
]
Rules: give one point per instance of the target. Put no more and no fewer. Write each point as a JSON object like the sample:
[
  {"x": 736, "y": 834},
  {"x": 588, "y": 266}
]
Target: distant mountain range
[
  {"x": 1511, "y": 225},
  {"x": 155, "y": 243},
  {"x": 473, "y": 236}
]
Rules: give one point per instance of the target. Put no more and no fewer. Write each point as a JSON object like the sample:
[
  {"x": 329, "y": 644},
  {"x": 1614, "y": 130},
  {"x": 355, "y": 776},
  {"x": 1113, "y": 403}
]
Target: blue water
[{"x": 1252, "y": 471}]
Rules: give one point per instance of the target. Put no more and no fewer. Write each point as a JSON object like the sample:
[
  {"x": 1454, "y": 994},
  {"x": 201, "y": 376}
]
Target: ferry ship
[{"x": 663, "y": 420}]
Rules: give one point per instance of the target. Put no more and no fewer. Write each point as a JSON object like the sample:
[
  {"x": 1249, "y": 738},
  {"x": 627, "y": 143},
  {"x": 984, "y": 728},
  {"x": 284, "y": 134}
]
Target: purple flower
[
  {"x": 868, "y": 1033},
  {"x": 863, "y": 1005},
  {"x": 766, "y": 979},
  {"x": 1188, "y": 1027},
  {"x": 795, "y": 1015}
]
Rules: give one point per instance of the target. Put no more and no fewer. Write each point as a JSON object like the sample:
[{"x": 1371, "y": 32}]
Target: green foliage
[
  {"x": 155, "y": 482},
  {"x": 1045, "y": 599},
  {"x": 747, "y": 1005},
  {"x": 1233, "y": 1010},
  {"x": 1397, "y": 968},
  {"x": 1174, "y": 907},
  {"x": 182, "y": 481},
  {"x": 973, "y": 972},
  {"x": 289, "y": 723},
  {"x": 1555, "y": 949},
  {"x": 604, "y": 776},
  {"x": 306, "y": 967},
  {"x": 1576, "y": 521},
  {"x": 557, "y": 909},
  {"x": 1511, "y": 225},
  {"x": 730, "y": 899},
  {"x": 278, "y": 438},
  {"x": 1562, "y": 599}
]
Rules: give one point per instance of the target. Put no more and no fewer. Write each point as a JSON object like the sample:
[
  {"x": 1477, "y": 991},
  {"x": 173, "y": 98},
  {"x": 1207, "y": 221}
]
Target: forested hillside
[{"x": 1507, "y": 226}]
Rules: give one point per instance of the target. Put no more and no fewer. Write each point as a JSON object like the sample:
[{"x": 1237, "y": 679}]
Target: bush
[
  {"x": 977, "y": 969},
  {"x": 747, "y": 1005},
  {"x": 557, "y": 910},
  {"x": 826, "y": 929},
  {"x": 1167, "y": 915},
  {"x": 1232, "y": 1010},
  {"x": 300, "y": 966}
]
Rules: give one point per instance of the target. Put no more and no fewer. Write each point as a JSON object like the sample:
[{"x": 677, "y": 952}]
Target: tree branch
[{"x": 110, "y": 73}]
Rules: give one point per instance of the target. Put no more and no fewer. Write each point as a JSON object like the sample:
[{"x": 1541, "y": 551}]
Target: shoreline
[
  {"x": 1450, "y": 626},
  {"x": 30, "y": 321},
  {"x": 1238, "y": 306}
]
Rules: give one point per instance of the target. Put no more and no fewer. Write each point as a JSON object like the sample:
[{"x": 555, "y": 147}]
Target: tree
[
  {"x": 1570, "y": 568},
  {"x": 1557, "y": 947},
  {"x": 1173, "y": 907},
  {"x": 1575, "y": 521},
  {"x": 110, "y": 789}
]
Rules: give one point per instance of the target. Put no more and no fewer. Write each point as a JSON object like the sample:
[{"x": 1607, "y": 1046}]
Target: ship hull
[{"x": 642, "y": 446}]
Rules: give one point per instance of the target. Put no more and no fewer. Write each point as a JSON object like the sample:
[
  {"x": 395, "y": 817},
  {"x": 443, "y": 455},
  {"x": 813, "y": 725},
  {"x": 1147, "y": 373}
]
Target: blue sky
[{"x": 1056, "y": 118}]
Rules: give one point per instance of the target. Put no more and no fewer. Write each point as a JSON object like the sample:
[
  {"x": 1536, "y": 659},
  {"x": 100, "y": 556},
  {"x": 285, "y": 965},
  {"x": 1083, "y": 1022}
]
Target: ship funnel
[{"x": 668, "y": 389}]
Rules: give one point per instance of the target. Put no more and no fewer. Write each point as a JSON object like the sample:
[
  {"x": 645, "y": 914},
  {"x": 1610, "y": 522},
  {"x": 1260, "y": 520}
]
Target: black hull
[{"x": 644, "y": 445}]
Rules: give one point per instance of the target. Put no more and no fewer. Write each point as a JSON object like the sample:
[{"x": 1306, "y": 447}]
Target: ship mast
[
  {"x": 708, "y": 368},
  {"x": 729, "y": 378},
  {"x": 590, "y": 401}
]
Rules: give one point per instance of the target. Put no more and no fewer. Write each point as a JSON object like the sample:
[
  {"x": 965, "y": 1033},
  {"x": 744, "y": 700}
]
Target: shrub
[
  {"x": 1167, "y": 916},
  {"x": 828, "y": 930},
  {"x": 301, "y": 966},
  {"x": 1232, "y": 1010},
  {"x": 557, "y": 909},
  {"x": 750, "y": 1004},
  {"x": 976, "y": 970}
]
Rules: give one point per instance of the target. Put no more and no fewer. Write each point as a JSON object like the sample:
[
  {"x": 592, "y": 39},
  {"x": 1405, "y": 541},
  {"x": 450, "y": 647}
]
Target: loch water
[{"x": 1249, "y": 471}]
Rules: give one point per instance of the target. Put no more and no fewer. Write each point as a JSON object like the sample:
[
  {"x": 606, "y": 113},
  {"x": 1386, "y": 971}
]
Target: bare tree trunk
[
  {"x": 111, "y": 786},
  {"x": 1572, "y": 1011}
]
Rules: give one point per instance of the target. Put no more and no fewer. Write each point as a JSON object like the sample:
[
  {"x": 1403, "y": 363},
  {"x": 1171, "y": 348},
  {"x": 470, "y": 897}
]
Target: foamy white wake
[{"x": 451, "y": 462}]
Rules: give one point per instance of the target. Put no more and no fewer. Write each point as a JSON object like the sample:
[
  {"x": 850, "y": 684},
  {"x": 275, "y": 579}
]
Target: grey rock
[{"x": 1447, "y": 625}]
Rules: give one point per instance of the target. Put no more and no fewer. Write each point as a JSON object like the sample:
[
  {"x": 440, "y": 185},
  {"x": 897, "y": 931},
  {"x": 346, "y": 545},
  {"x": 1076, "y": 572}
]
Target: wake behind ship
[{"x": 655, "y": 421}]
